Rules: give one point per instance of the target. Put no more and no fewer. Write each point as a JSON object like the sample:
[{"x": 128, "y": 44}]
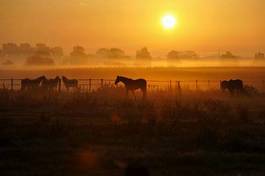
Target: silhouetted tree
[
  {"x": 143, "y": 54},
  {"x": 113, "y": 53},
  {"x": 42, "y": 50},
  {"x": 228, "y": 55},
  {"x": 173, "y": 54},
  {"x": 78, "y": 55},
  {"x": 182, "y": 55},
  {"x": 78, "y": 51},
  {"x": 25, "y": 49},
  {"x": 57, "y": 51},
  {"x": 116, "y": 53},
  {"x": 103, "y": 53},
  {"x": 10, "y": 49}
]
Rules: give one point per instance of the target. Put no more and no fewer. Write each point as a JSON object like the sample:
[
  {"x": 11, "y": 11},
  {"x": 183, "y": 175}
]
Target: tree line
[{"x": 42, "y": 54}]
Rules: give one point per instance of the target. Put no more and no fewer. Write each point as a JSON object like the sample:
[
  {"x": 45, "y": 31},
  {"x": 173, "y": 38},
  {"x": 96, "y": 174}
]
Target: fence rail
[{"x": 91, "y": 84}]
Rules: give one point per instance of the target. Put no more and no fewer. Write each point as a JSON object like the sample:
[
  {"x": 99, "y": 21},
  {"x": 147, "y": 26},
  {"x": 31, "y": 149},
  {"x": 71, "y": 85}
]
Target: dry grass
[{"x": 195, "y": 133}]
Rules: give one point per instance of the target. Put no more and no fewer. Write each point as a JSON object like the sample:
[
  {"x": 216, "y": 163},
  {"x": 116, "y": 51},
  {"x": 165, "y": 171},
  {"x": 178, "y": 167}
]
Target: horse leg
[
  {"x": 134, "y": 94},
  {"x": 144, "y": 93}
]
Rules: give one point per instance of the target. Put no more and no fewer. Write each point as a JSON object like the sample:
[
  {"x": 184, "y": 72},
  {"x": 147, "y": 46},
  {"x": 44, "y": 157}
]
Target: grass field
[{"x": 99, "y": 133}]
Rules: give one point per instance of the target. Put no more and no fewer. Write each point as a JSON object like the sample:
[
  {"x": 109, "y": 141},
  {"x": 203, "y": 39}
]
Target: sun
[{"x": 168, "y": 21}]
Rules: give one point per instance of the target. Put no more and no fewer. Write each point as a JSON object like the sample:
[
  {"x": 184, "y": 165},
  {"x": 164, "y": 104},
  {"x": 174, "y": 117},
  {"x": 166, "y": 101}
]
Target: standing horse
[
  {"x": 52, "y": 84},
  {"x": 132, "y": 85},
  {"x": 232, "y": 86},
  {"x": 70, "y": 83},
  {"x": 28, "y": 84}
]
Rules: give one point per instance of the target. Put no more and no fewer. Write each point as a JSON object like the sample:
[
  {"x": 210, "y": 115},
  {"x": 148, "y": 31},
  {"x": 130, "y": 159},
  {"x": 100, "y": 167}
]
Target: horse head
[
  {"x": 57, "y": 78},
  {"x": 224, "y": 85},
  {"x": 64, "y": 78},
  {"x": 117, "y": 80},
  {"x": 41, "y": 78}
]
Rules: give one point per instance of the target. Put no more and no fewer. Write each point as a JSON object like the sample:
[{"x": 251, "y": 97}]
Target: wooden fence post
[
  {"x": 12, "y": 84},
  {"x": 263, "y": 85},
  {"x": 89, "y": 85},
  {"x": 208, "y": 84},
  {"x": 101, "y": 83},
  {"x": 196, "y": 84},
  {"x": 60, "y": 86},
  {"x": 178, "y": 87},
  {"x": 170, "y": 85}
]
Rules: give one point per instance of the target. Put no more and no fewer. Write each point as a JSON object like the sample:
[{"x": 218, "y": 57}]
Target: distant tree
[
  {"x": 78, "y": 55},
  {"x": 182, "y": 55},
  {"x": 42, "y": 50},
  {"x": 259, "y": 55},
  {"x": 116, "y": 53},
  {"x": 228, "y": 55},
  {"x": 191, "y": 54},
  {"x": 103, "y": 53},
  {"x": 26, "y": 49},
  {"x": 10, "y": 49},
  {"x": 57, "y": 51},
  {"x": 78, "y": 51},
  {"x": 173, "y": 54},
  {"x": 143, "y": 54},
  {"x": 112, "y": 53}
]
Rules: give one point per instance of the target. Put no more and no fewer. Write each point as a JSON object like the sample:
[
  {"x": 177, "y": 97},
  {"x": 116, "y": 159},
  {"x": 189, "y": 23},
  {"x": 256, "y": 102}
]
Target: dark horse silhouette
[
  {"x": 52, "y": 84},
  {"x": 30, "y": 84},
  {"x": 132, "y": 85},
  {"x": 70, "y": 83},
  {"x": 232, "y": 86}
]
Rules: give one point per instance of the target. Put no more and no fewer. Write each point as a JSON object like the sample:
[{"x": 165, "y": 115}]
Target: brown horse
[
  {"x": 233, "y": 86},
  {"x": 70, "y": 83},
  {"x": 31, "y": 84},
  {"x": 132, "y": 85},
  {"x": 52, "y": 84}
]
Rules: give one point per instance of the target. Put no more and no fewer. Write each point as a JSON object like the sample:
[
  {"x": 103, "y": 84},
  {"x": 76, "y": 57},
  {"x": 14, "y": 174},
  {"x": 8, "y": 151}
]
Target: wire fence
[{"x": 90, "y": 85}]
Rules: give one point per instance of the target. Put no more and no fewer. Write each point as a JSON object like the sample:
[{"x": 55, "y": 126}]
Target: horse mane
[{"x": 123, "y": 77}]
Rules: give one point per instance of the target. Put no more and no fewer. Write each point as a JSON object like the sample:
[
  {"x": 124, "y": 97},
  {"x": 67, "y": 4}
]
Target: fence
[{"x": 89, "y": 85}]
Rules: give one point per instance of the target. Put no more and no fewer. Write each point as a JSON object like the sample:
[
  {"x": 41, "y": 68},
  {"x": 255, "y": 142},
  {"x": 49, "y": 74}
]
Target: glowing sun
[{"x": 168, "y": 21}]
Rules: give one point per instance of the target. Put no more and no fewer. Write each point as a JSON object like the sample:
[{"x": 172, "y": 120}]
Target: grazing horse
[
  {"x": 232, "y": 86},
  {"x": 132, "y": 85},
  {"x": 30, "y": 84},
  {"x": 70, "y": 83},
  {"x": 52, "y": 84}
]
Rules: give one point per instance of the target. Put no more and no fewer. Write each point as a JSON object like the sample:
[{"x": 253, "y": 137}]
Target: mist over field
[{"x": 132, "y": 88}]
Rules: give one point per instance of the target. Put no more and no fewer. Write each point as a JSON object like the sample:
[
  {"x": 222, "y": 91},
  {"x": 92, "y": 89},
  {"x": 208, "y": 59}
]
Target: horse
[
  {"x": 52, "y": 84},
  {"x": 30, "y": 84},
  {"x": 132, "y": 85},
  {"x": 232, "y": 86},
  {"x": 70, "y": 83}
]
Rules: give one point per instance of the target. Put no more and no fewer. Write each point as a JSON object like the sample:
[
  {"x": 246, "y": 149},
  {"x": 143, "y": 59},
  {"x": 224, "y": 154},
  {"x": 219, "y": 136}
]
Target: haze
[{"x": 204, "y": 25}]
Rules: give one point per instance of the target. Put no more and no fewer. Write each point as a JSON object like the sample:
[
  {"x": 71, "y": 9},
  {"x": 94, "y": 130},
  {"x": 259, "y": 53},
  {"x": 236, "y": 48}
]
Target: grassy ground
[{"x": 195, "y": 133}]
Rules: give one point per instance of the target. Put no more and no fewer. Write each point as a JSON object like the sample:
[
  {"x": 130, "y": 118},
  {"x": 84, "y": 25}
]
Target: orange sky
[{"x": 204, "y": 25}]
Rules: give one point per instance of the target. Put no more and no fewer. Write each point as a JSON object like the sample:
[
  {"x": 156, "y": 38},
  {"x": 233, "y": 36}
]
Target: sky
[{"x": 203, "y": 25}]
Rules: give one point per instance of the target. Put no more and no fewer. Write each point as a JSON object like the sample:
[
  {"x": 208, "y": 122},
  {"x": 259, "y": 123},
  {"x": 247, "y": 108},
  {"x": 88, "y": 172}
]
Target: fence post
[
  {"x": 178, "y": 87},
  {"x": 89, "y": 85},
  {"x": 101, "y": 83},
  {"x": 170, "y": 85},
  {"x": 208, "y": 84},
  {"x": 263, "y": 85},
  {"x": 60, "y": 86},
  {"x": 12, "y": 84},
  {"x": 196, "y": 84}
]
